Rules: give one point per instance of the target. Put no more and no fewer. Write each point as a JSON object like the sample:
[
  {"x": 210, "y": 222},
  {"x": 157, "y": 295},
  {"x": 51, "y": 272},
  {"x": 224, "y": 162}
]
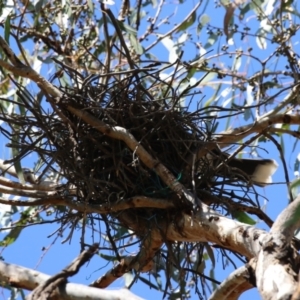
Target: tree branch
[
  {"x": 20, "y": 277},
  {"x": 49, "y": 288},
  {"x": 234, "y": 135},
  {"x": 133, "y": 202},
  {"x": 143, "y": 262},
  {"x": 230, "y": 288}
]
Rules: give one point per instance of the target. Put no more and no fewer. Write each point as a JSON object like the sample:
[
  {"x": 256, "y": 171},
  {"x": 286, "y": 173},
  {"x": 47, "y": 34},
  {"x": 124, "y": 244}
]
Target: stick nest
[{"x": 104, "y": 170}]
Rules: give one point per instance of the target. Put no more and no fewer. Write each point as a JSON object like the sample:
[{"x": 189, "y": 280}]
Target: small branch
[
  {"x": 25, "y": 193},
  {"x": 161, "y": 37},
  {"x": 134, "y": 202},
  {"x": 153, "y": 22},
  {"x": 18, "y": 68},
  {"x": 143, "y": 262},
  {"x": 209, "y": 199},
  {"x": 20, "y": 277},
  {"x": 47, "y": 289},
  {"x": 293, "y": 133},
  {"x": 230, "y": 287},
  {"x": 44, "y": 186},
  {"x": 234, "y": 135}
]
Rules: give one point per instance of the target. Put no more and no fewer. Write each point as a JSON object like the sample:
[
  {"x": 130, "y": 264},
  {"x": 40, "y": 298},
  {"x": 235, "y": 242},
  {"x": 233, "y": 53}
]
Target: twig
[
  {"x": 47, "y": 288},
  {"x": 174, "y": 28},
  {"x": 286, "y": 173}
]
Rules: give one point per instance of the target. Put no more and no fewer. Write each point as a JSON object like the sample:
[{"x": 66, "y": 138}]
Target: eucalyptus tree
[{"x": 149, "y": 128}]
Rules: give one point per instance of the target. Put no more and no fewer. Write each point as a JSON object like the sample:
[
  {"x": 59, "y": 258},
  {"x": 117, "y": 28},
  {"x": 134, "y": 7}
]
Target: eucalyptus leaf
[{"x": 243, "y": 217}]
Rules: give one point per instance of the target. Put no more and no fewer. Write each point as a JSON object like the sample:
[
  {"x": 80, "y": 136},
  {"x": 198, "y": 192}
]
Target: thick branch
[
  {"x": 222, "y": 231},
  {"x": 24, "y": 278},
  {"x": 277, "y": 264},
  {"x": 230, "y": 289}
]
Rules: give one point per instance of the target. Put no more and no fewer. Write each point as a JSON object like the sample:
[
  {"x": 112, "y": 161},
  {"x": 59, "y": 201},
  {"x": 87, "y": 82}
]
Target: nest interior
[{"x": 104, "y": 170}]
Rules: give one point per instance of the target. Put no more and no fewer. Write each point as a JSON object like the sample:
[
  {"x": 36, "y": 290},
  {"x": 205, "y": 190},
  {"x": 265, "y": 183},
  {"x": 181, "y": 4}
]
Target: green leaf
[
  {"x": 11, "y": 237},
  {"x": 128, "y": 278},
  {"x": 296, "y": 140},
  {"x": 244, "y": 10},
  {"x": 210, "y": 253},
  {"x": 236, "y": 63},
  {"x": 39, "y": 5},
  {"x": 7, "y": 9},
  {"x": 158, "y": 280},
  {"x": 211, "y": 40},
  {"x": 295, "y": 186},
  {"x": 282, "y": 144},
  {"x": 108, "y": 257},
  {"x": 17, "y": 162},
  {"x": 189, "y": 22},
  {"x": 7, "y": 29},
  {"x": 204, "y": 19},
  {"x": 126, "y": 28},
  {"x": 136, "y": 45},
  {"x": 243, "y": 217},
  {"x": 191, "y": 72},
  {"x": 212, "y": 275},
  {"x": 90, "y": 5},
  {"x": 260, "y": 39},
  {"x": 296, "y": 165}
]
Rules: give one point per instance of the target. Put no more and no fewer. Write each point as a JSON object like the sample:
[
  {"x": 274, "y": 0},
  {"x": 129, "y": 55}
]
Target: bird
[
  {"x": 259, "y": 171},
  {"x": 256, "y": 171}
]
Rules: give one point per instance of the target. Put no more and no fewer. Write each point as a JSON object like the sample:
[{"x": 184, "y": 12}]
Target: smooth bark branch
[
  {"x": 19, "y": 277},
  {"x": 234, "y": 135},
  {"x": 217, "y": 229},
  {"x": 49, "y": 288},
  {"x": 28, "y": 187},
  {"x": 230, "y": 288},
  {"x": 277, "y": 263},
  {"x": 133, "y": 202},
  {"x": 277, "y": 268},
  {"x": 18, "y": 68},
  {"x": 25, "y": 193}
]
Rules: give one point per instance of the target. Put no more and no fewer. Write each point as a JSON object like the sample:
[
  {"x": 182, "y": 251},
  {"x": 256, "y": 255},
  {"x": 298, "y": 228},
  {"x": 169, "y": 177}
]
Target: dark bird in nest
[{"x": 256, "y": 171}]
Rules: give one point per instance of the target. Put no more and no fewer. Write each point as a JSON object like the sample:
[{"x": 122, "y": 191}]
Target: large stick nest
[{"x": 104, "y": 170}]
